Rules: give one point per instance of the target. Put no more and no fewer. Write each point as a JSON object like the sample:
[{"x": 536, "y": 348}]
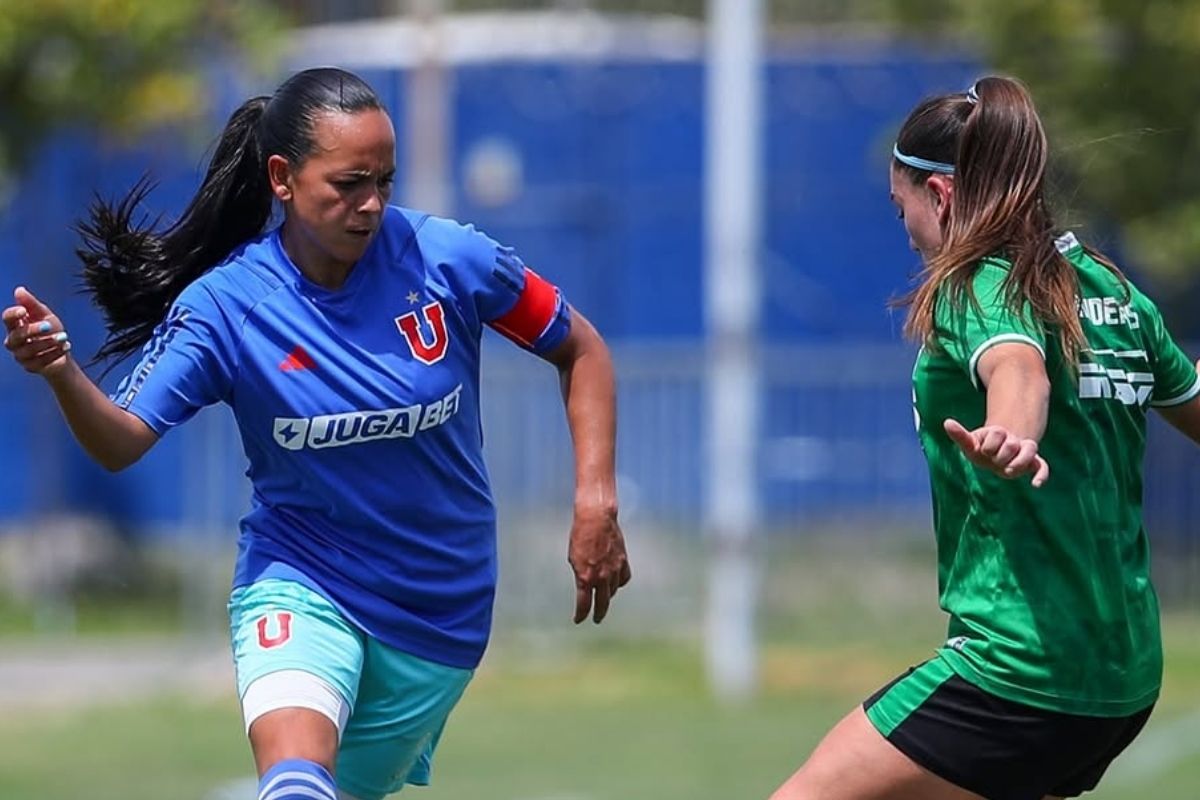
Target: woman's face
[
  {"x": 336, "y": 197},
  {"x": 923, "y": 207}
]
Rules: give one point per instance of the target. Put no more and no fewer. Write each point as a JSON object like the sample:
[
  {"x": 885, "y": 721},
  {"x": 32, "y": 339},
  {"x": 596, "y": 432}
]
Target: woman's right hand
[
  {"x": 998, "y": 449},
  {"x": 35, "y": 335},
  {"x": 112, "y": 436}
]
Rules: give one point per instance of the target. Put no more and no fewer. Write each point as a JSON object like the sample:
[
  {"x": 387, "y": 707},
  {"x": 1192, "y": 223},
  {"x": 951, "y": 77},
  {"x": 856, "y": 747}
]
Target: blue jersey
[{"x": 359, "y": 414}]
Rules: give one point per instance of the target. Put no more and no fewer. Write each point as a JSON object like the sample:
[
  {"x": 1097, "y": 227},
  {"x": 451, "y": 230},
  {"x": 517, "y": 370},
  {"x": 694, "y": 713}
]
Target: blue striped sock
[{"x": 297, "y": 779}]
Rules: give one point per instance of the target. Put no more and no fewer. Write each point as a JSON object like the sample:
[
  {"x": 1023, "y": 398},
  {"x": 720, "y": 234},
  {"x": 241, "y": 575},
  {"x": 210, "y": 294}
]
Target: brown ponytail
[{"x": 995, "y": 140}]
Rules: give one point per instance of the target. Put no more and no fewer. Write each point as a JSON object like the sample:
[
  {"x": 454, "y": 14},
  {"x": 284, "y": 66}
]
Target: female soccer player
[
  {"x": 1039, "y": 362},
  {"x": 346, "y": 341}
]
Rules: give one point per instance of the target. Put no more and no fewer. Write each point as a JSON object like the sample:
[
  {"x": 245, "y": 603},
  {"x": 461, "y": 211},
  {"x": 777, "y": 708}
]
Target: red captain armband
[{"x": 533, "y": 313}]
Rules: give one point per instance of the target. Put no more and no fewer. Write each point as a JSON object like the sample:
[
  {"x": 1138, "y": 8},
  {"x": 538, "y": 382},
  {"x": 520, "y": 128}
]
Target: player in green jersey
[{"x": 1039, "y": 363}]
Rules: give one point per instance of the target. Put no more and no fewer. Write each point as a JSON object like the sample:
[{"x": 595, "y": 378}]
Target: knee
[{"x": 288, "y": 734}]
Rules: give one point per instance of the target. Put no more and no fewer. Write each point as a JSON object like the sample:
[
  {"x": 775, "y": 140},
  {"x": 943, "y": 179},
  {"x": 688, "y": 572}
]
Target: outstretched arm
[
  {"x": 109, "y": 434},
  {"x": 1018, "y": 402},
  {"x": 597, "y": 547}
]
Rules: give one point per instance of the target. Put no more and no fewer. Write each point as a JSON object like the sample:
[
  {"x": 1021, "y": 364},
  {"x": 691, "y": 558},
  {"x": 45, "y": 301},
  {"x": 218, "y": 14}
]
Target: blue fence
[{"x": 608, "y": 202}]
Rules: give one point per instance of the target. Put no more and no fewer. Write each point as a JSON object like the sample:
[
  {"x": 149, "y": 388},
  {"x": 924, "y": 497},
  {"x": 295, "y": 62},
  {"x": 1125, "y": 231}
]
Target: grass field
[
  {"x": 620, "y": 712},
  {"x": 610, "y": 722}
]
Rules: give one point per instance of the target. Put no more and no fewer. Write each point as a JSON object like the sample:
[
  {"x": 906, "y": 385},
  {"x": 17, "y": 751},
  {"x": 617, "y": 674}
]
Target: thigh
[
  {"x": 855, "y": 762},
  {"x": 403, "y": 704},
  {"x": 298, "y": 662},
  {"x": 279, "y": 625}
]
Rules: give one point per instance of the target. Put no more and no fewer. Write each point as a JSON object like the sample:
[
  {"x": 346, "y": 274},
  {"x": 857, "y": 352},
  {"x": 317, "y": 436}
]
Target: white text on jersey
[
  {"x": 1107, "y": 311},
  {"x": 355, "y": 427}
]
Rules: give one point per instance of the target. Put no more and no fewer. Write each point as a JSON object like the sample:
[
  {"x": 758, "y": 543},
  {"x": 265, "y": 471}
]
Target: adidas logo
[{"x": 296, "y": 360}]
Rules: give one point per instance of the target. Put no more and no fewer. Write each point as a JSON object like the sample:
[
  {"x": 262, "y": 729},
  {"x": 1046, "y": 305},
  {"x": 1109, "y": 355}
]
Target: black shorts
[{"x": 994, "y": 747}]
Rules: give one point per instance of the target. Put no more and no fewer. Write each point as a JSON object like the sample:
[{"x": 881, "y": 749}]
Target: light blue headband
[
  {"x": 922, "y": 163},
  {"x": 940, "y": 167}
]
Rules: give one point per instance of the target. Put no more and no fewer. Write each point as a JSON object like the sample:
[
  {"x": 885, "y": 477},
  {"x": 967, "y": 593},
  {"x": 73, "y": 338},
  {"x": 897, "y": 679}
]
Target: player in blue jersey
[{"x": 346, "y": 341}]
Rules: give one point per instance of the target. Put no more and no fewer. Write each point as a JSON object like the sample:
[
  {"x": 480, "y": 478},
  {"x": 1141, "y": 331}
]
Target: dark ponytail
[{"x": 134, "y": 272}]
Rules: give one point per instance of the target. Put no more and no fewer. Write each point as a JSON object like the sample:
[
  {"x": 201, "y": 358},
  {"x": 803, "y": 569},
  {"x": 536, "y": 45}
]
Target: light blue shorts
[{"x": 398, "y": 703}]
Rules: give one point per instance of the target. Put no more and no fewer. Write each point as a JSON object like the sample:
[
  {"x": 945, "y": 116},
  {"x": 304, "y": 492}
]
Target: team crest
[
  {"x": 409, "y": 324},
  {"x": 277, "y": 634}
]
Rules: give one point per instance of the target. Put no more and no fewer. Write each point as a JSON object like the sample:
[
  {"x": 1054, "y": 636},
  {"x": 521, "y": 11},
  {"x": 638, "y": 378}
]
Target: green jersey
[{"x": 1048, "y": 589}]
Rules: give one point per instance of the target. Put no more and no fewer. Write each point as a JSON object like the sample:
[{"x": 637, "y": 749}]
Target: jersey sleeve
[
  {"x": 1175, "y": 377},
  {"x": 969, "y": 329},
  {"x": 187, "y": 364},
  {"x": 505, "y": 294}
]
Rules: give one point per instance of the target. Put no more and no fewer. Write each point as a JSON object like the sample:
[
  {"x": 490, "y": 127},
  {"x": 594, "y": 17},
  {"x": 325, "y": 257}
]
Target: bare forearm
[
  {"x": 113, "y": 437},
  {"x": 596, "y": 551},
  {"x": 589, "y": 394}
]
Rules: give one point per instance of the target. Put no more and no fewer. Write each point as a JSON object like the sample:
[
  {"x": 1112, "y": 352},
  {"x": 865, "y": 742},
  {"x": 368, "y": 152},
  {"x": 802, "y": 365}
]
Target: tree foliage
[
  {"x": 121, "y": 65},
  {"x": 1118, "y": 85}
]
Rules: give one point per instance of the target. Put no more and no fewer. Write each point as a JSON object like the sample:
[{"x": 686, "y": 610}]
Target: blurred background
[{"x": 707, "y": 181}]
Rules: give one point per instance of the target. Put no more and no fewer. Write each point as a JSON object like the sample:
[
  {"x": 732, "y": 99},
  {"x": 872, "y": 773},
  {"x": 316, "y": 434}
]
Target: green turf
[
  {"x": 158, "y": 749},
  {"x": 616, "y": 722}
]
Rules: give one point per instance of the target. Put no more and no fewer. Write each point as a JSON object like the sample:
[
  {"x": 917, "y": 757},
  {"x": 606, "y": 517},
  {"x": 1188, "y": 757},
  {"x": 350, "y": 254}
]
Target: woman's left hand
[{"x": 597, "y": 555}]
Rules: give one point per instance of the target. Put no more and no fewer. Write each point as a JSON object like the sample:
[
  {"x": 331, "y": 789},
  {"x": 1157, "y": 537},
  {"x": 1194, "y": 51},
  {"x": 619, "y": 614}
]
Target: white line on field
[{"x": 1157, "y": 750}]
